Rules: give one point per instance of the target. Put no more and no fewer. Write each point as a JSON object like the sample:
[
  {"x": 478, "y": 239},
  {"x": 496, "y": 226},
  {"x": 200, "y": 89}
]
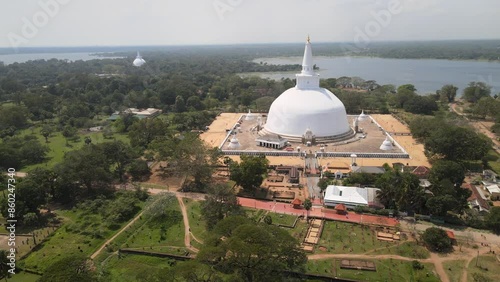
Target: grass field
[
  {"x": 133, "y": 267},
  {"x": 165, "y": 235},
  {"x": 57, "y": 145},
  {"x": 340, "y": 238},
  {"x": 81, "y": 233},
  {"x": 454, "y": 269},
  {"x": 24, "y": 277},
  {"x": 283, "y": 219},
  {"x": 487, "y": 269},
  {"x": 405, "y": 249},
  {"x": 254, "y": 214},
  {"x": 387, "y": 270},
  {"x": 196, "y": 221}
]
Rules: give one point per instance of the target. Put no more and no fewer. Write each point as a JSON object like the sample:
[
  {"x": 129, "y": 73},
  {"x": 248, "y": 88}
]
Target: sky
[{"x": 200, "y": 22}]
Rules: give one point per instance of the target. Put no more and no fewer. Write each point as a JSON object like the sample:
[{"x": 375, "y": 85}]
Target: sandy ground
[{"x": 217, "y": 132}]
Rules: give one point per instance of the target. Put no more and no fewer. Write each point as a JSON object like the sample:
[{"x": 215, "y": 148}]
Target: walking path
[
  {"x": 187, "y": 228},
  {"x": 96, "y": 253}
]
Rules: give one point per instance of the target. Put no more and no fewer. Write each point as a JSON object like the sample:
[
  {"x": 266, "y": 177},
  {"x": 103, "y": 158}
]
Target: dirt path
[
  {"x": 94, "y": 255},
  {"x": 187, "y": 229},
  {"x": 438, "y": 265},
  {"x": 363, "y": 256}
]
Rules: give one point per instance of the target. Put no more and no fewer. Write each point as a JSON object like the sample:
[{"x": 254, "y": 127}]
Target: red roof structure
[
  {"x": 421, "y": 171},
  {"x": 296, "y": 203},
  {"x": 341, "y": 209}
]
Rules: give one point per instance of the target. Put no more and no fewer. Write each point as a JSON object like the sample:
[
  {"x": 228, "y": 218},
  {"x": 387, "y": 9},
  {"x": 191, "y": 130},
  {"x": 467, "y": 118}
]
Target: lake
[
  {"x": 428, "y": 75},
  {"x": 24, "y": 57}
]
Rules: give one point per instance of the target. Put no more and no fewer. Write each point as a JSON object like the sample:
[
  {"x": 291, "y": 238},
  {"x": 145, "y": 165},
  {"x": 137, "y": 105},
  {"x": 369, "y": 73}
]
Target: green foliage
[
  {"x": 220, "y": 202},
  {"x": 69, "y": 268},
  {"x": 307, "y": 204},
  {"x": 259, "y": 252},
  {"x": 143, "y": 132},
  {"x": 12, "y": 118},
  {"x": 250, "y": 172},
  {"x": 447, "y": 93},
  {"x": 437, "y": 240},
  {"x": 139, "y": 170},
  {"x": 268, "y": 220},
  {"x": 493, "y": 219},
  {"x": 457, "y": 143},
  {"x": 443, "y": 169},
  {"x": 360, "y": 178},
  {"x": 17, "y": 152},
  {"x": 417, "y": 265},
  {"x": 400, "y": 191},
  {"x": 475, "y": 91}
]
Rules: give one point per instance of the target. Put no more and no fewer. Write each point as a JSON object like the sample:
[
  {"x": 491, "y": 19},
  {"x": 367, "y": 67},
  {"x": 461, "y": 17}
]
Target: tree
[
  {"x": 440, "y": 205},
  {"x": 420, "y": 105},
  {"x": 249, "y": 173},
  {"x": 476, "y": 91},
  {"x": 444, "y": 169},
  {"x": 408, "y": 87},
  {"x": 457, "y": 143},
  {"x": 180, "y": 105},
  {"x": 437, "y": 240},
  {"x": 70, "y": 133},
  {"x": 401, "y": 191},
  {"x": 219, "y": 203},
  {"x": 139, "y": 170},
  {"x": 87, "y": 167},
  {"x": 323, "y": 183},
  {"x": 118, "y": 155},
  {"x": 144, "y": 131},
  {"x": 190, "y": 157},
  {"x": 190, "y": 271},
  {"x": 307, "y": 206},
  {"x": 4, "y": 268},
  {"x": 252, "y": 252},
  {"x": 46, "y": 131},
  {"x": 268, "y": 220},
  {"x": 447, "y": 93},
  {"x": 493, "y": 219}
]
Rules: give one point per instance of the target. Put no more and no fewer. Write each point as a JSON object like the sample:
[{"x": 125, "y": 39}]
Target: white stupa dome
[
  {"x": 249, "y": 116},
  {"x": 362, "y": 116},
  {"x": 139, "y": 61},
  {"x": 307, "y": 106},
  {"x": 386, "y": 145},
  {"x": 234, "y": 143}
]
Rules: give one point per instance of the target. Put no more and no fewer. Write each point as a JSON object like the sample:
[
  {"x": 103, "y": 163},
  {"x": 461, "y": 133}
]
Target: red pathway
[{"x": 320, "y": 212}]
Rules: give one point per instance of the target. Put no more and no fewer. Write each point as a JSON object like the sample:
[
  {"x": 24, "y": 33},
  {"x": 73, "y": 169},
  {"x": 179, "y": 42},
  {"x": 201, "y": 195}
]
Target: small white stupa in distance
[
  {"x": 386, "y": 145},
  {"x": 234, "y": 143},
  {"x": 139, "y": 61},
  {"x": 362, "y": 116}
]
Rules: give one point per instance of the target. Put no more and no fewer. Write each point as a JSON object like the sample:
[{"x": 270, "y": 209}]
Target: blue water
[
  {"x": 428, "y": 75},
  {"x": 24, "y": 57}
]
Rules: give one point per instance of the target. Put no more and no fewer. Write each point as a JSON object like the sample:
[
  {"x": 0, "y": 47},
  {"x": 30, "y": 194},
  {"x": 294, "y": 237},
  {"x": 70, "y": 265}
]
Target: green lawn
[
  {"x": 387, "y": 270},
  {"x": 454, "y": 269},
  {"x": 340, "y": 238},
  {"x": 133, "y": 267},
  {"x": 283, "y": 219},
  {"x": 165, "y": 235},
  {"x": 81, "y": 233},
  {"x": 254, "y": 214},
  {"x": 405, "y": 249},
  {"x": 487, "y": 268},
  {"x": 24, "y": 277},
  {"x": 57, "y": 145},
  {"x": 196, "y": 221}
]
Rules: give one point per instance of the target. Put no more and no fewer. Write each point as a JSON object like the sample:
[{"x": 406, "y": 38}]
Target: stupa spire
[
  {"x": 307, "y": 62},
  {"x": 307, "y": 79}
]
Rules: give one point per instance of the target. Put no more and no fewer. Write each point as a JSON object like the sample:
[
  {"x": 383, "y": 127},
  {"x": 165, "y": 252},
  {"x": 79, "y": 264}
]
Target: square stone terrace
[{"x": 217, "y": 133}]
